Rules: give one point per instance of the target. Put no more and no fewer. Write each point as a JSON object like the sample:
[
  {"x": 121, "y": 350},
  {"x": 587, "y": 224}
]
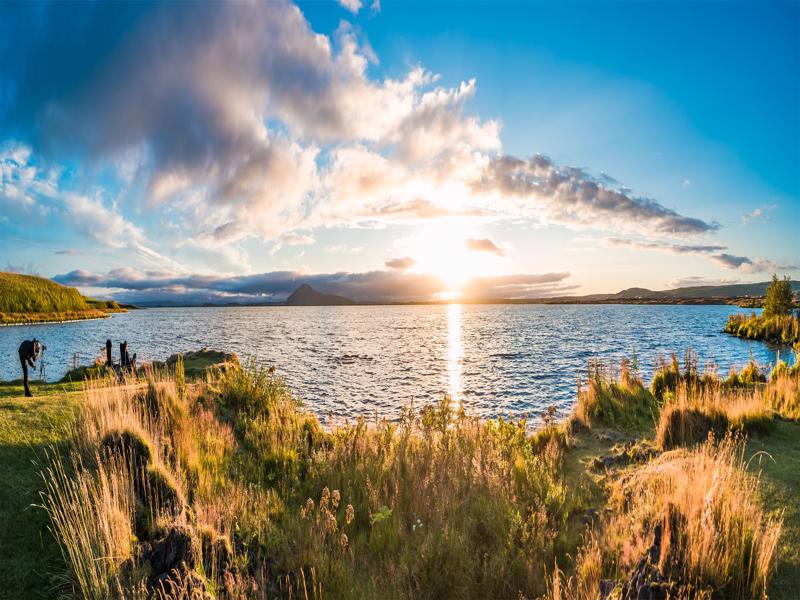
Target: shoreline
[{"x": 57, "y": 321}]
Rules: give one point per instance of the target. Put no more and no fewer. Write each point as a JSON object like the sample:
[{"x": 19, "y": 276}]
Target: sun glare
[{"x": 442, "y": 251}]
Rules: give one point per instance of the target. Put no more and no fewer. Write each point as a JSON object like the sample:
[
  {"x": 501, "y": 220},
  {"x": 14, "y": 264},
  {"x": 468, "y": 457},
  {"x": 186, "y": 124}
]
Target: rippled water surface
[{"x": 347, "y": 361}]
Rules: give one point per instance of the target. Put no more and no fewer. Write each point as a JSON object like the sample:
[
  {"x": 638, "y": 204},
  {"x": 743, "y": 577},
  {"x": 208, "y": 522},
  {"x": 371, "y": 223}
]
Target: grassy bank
[
  {"x": 778, "y": 329},
  {"x": 228, "y": 488},
  {"x": 27, "y": 299}
]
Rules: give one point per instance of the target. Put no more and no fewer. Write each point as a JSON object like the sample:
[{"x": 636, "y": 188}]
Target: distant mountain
[
  {"x": 305, "y": 295},
  {"x": 704, "y": 294}
]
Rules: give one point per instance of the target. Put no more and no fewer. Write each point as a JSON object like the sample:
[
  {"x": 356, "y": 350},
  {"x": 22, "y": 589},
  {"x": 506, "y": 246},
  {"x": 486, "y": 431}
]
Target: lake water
[{"x": 363, "y": 360}]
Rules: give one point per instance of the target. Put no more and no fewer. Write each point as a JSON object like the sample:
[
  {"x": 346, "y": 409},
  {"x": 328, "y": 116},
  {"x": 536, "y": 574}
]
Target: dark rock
[{"x": 179, "y": 546}]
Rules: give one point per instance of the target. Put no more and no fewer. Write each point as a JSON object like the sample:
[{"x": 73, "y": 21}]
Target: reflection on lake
[{"x": 367, "y": 360}]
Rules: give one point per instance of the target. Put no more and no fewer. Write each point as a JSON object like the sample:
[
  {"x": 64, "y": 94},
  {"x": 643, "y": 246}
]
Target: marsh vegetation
[{"x": 226, "y": 487}]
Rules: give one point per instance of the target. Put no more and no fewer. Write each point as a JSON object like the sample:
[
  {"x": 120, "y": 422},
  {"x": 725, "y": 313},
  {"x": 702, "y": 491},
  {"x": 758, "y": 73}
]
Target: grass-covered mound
[
  {"x": 776, "y": 329},
  {"x": 228, "y": 488},
  {"x": 31, "y": 299}
]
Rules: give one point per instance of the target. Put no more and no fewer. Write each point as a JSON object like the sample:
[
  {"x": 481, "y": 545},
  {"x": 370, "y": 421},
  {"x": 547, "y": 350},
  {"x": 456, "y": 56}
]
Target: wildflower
[
  {"x": 326, "y": 494},
  {"x": 307, "y": 509},
  {"x": 335, "y": 498},
  {"x": 349, "y": 514},
  {"x": 330, "y": 523},
  {"x": 343, "y": 541}
]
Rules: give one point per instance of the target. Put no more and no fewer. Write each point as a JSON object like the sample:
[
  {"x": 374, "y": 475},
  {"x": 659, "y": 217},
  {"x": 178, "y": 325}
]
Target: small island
[
  {"x": 776, "y": 323},
  {"x": 28, "y": 299}
]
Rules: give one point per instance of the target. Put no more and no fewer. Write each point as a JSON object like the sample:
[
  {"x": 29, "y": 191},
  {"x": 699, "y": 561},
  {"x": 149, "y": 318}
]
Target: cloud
[
  {"x": 713, "y": 252},
  {"x": 343, "y": 249},
  {"x": 67, "y": 252},
  {"x": 226, "y": 108},
  {"x": 760, "y": 213},
  {"x": 237, "y": 120},
  {"x": 385, "y": 285},
  {"x": 666, "y": 247},
  {"x": 296, "y": 239},
  {"x": 484, "y": 245},
  {"x": 570, "y": 196},
  {"x": 352, "y": 5},
  {"x": 400, "y": 263}
]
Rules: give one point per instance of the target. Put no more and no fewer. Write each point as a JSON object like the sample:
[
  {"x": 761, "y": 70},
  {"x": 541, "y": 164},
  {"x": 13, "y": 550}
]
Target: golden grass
[
  {"x": 716, "y": 539},
  {"x": 440, "y": 504}
]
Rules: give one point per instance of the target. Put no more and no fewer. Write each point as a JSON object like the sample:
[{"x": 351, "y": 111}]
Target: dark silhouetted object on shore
[
  {"x": 29, "y": 351},
  {"x": 126, "y": 362}
]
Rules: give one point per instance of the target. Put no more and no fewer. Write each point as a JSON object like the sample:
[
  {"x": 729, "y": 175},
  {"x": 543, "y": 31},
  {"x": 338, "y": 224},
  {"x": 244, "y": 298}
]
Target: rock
[
  {"x": 173, "y": 560},
  {"x": 178, "y": 546}
]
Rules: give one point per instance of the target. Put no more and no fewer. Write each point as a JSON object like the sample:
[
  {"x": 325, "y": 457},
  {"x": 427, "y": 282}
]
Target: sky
[{"x": 228, "y": 152}]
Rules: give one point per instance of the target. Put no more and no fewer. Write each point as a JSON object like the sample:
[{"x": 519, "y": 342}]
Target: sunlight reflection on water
[{"x": 455, "y": 351}]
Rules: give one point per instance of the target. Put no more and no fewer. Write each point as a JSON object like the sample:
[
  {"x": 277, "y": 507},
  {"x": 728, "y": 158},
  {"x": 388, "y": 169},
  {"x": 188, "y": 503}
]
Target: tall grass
[
  {"x": 440, "y": 504},
  {"x": 437, "y": 505},
  {"x": 777, "y": 329},
  {"x": 715, "y": 540},
  {"x": 615, "y": 398}
]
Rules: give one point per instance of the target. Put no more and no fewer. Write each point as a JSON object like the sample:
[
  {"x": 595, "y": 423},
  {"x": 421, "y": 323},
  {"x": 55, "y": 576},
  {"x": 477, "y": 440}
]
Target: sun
[{"x": 442, "y": 251}]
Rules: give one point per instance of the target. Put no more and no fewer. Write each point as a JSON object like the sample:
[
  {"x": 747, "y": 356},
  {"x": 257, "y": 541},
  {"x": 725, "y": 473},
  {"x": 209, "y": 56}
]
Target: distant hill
[
  {"x": 28, "y": 293},
  {"x": 32, "y": 299},
  {"x": 705, "y": 294},
  {"x": 305, "y": 295}
]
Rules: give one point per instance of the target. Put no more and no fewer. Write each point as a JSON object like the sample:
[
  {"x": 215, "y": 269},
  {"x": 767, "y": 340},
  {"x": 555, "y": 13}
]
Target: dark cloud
[
  {"x": 711, "y": 251},
  {"x": 484, "y": 245},
  {"x": 667, "y": 247},
  {"x": 389, "y": 285},
  {"x": 402, "y": 263},
  {"x": 571, "y": 196}
]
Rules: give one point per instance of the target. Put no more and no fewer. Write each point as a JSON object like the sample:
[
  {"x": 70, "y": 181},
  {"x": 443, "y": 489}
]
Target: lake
[{"x": 367, "y": 360}]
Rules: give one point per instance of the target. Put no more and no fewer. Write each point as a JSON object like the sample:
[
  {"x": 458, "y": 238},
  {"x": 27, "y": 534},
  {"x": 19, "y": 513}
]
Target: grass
[
  {"x": 29, "y": 428},
  {"x": 776, "y": 457},
  {"x": 776, "y": 329},
  {"x": 437, "y": 505},
  {"x": 28, "y": 299}
]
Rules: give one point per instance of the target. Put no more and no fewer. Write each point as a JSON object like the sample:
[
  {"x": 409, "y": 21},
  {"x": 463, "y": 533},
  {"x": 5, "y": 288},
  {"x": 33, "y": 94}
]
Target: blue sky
[{"x": 399, "y": 151}]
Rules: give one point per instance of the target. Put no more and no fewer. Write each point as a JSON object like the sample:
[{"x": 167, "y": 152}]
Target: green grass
[
  {"x": 31, "y": 294},
  {"x": 29, "y": 556},
  {"x": 31, "y": 299},
  {"x": 777, "y": 329},
  {"x": 780, "y": 471}
]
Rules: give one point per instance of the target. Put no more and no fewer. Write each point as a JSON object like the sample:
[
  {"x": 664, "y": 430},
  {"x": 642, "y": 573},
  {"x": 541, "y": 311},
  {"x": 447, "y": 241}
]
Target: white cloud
[
  {"x": 352, "y": 5},
  {"x": 760, "y": 213}
]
